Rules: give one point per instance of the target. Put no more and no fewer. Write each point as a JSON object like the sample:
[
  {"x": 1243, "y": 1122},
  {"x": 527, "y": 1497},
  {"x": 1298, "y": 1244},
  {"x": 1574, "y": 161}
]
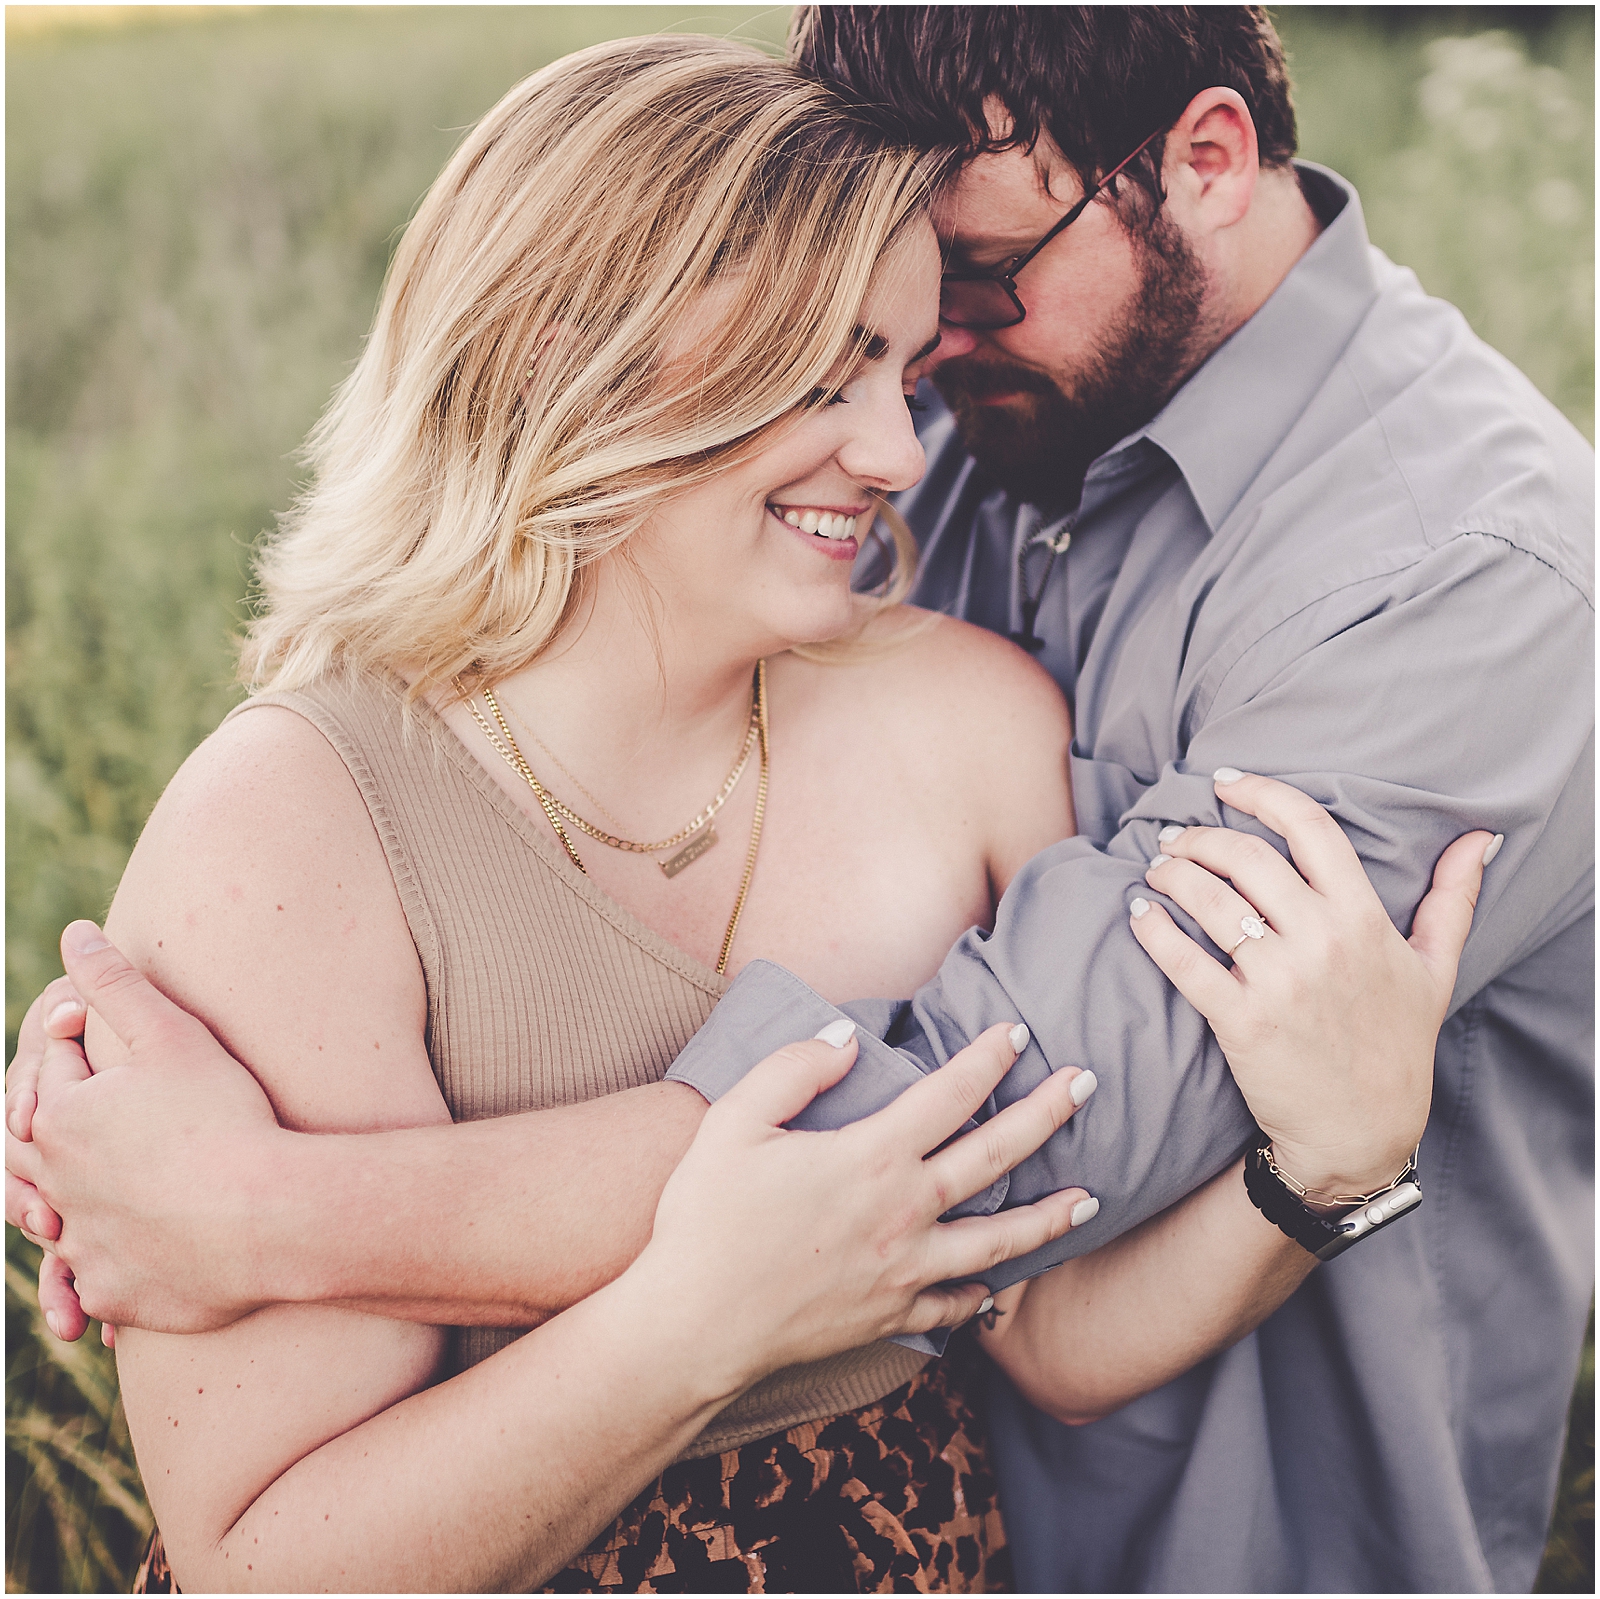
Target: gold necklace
[
  {"x": 562, "y": 767},
  {"x": 506, "y": 747},
  {"x": 700, "y": 841}
]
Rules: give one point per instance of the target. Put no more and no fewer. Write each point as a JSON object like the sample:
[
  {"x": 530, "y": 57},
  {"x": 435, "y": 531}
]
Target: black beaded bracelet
[{"x": 1323, "y": 1236}]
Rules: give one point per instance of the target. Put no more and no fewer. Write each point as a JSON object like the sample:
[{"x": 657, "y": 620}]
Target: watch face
[{"x": 1363, "y": 1223}]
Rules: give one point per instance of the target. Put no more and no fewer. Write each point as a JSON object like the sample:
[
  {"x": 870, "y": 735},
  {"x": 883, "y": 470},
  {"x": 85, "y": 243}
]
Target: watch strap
[{"x": 1323, "y": 1236}]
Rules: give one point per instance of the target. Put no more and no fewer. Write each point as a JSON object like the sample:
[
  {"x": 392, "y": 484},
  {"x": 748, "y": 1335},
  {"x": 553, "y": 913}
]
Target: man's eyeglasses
[{"x": 984, "y": 301}]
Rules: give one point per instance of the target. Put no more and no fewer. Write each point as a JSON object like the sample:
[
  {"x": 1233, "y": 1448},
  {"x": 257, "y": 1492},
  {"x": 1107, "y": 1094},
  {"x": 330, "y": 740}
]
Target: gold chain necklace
[
  {"x": 505, "y": 745},
  {"x": 562, "y": 767},
  {"x": 701, "y": 840}
]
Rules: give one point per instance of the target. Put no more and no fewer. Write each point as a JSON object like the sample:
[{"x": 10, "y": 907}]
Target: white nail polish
[
  {"x": 1019, "y": 1036},
  {"x": 1226, "y": 774},
  {"x": 1157, "y": 860},
  {"x": 986, "y": 1306},
  {"x": 1085, "y": 1210},
  {"x": 1083, "y": 1085},
  {"x": 1493, "y": 847},
  {"x": 1167, "y": 834},
  {"x": 1138, "y": 908},
  {"x": 52, "y": 1323},
  {"x": 838, "y": 1033}
]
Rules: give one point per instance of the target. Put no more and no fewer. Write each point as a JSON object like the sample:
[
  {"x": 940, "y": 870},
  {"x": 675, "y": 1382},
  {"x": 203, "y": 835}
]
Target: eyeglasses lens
[{"x": 976, "y": 303}]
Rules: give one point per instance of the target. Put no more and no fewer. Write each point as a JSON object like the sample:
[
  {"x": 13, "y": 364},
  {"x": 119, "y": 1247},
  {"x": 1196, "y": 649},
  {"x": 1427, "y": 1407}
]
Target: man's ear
[{"x": 1212, "y": 161}]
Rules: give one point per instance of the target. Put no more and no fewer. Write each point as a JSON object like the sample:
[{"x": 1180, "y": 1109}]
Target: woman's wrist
[
  {"x": 715, "y": 1357},
  {"x": 1336, "y": 1179}
]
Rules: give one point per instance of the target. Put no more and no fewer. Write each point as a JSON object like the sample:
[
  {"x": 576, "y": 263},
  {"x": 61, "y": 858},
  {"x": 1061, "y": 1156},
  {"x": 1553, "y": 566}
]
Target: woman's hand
[
  {"x": 1329, "y": 1019},
  {"x": 788, "y": 1246}
]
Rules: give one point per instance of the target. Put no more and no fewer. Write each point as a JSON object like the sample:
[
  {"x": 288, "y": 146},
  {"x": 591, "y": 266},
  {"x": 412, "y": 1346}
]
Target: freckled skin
[{"x": 266, "y": 803}]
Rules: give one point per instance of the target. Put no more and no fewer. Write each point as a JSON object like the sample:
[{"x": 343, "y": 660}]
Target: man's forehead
[{"x": 1009, "y": 196}]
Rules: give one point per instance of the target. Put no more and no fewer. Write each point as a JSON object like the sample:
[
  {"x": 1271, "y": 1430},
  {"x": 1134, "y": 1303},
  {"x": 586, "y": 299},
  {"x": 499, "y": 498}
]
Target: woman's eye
[
  {"x": 825, "y": 397},
  {"x": 913, "y": 403}
]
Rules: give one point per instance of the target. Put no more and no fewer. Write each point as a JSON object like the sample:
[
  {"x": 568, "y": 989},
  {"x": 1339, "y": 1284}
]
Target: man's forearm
[
  {"x": 495, "y": 1223},
  {"x": 1166, "y": 1117},
  {"x": 1100, "y": 1330}
]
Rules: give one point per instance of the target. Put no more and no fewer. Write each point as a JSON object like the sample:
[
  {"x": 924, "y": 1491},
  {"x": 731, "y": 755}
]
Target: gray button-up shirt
[{"x": 1353, "y": 552}]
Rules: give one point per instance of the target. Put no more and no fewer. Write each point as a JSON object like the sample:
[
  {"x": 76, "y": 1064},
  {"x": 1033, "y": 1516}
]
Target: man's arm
[
  {"x": 1404, "y": 702},
  {"x": 1412, "y": 720},
  {"x": 504, "y": 1222},
  {"x": 1090, "y": 1336}
]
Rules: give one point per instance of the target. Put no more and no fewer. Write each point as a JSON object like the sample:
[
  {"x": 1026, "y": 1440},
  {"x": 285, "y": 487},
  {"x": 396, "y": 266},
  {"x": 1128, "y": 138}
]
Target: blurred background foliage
[{"x": 200, "y": 207}]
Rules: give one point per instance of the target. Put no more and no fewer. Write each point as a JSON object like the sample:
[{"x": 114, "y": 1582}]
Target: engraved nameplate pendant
[{"x": 690, "y": 853}]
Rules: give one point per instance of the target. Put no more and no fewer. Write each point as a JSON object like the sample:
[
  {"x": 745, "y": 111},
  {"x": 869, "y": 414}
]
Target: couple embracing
[{"x": 598, "y": 771}]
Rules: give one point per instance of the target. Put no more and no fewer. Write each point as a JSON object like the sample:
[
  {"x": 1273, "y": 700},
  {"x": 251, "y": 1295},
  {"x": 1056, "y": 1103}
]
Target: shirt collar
[{"x": 1224, "y": 424}]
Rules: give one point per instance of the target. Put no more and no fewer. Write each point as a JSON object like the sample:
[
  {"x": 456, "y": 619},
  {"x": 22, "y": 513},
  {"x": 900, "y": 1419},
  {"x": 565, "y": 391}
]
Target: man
[
  {"x": 1294, "y": 519},
  {"x": 1255, "y": 501}
]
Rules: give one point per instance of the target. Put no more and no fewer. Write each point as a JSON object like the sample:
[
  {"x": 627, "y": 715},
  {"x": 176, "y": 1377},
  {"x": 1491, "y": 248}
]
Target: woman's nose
[
  {"x": 953, "y": 341},
  {"x": 883, "y": 452}
]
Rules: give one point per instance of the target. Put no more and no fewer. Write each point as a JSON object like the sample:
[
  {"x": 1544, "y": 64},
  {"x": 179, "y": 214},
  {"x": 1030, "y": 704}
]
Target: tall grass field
[{"x": 201, "y": 203}]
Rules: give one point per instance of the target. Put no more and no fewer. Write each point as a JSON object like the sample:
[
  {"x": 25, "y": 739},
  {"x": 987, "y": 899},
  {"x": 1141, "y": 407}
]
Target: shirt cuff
[{"x": 767, "y": 1007}]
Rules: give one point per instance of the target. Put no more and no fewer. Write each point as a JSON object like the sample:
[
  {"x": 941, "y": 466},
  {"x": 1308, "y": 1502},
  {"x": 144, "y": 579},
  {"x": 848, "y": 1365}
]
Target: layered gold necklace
[{"x": 696, "y": 836}]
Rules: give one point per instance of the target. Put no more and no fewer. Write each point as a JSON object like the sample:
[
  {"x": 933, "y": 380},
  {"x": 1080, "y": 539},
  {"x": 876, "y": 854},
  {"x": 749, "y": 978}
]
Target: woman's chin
[{"x": 820, "y": 619}]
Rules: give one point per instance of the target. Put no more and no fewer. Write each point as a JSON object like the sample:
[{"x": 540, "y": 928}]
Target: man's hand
[
  {"x": 58, "y": 1013},
  {"x": 1329, "y": 1018},
  {"x": 78, "y": 1145}
]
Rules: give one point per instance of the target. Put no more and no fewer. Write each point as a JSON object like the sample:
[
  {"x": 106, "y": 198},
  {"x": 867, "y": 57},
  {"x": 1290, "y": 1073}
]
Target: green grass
[{"x": 198, "y": 219}]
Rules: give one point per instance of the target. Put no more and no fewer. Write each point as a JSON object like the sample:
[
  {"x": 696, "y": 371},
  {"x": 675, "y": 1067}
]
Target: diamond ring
[{"x": 1251, "y": 927}]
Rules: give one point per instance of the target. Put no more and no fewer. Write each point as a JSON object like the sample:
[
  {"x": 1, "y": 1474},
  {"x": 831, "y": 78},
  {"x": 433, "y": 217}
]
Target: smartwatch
[{"x": 1324, "y": 1236}]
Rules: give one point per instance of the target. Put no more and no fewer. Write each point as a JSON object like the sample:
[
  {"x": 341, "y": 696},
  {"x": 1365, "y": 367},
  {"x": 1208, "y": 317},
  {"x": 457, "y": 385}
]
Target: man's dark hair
[{"x": 1095, "y": 79}]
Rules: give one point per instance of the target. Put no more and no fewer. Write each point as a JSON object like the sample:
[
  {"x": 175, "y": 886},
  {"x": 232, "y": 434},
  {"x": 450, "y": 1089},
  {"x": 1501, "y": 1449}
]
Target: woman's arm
[
  {"x": 259, "y": 898},
  {"x": 1343, "y": 1093},
  {"x": 769, "y": 1248},
  {"x": 991, "y": 726},
  {"x": 303, "y": 1447}
]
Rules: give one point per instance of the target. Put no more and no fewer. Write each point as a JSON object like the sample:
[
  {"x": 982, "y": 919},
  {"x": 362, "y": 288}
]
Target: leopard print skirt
[{"x": 897, "y": 1497}]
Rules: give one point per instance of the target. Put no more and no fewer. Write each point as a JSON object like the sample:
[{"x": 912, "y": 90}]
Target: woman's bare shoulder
[
  {"x": 958, "y": 710},
  {"x": 256, "y": 768},
  {"x": 259, "y": 897},
  {"x": 262, "y": 803},
  {"x": 960, "y": 681},
  {"x": 995, "y": 670}
]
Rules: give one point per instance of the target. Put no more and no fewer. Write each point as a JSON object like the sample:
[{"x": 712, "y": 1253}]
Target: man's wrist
[{"x": 297, "y": 1209}]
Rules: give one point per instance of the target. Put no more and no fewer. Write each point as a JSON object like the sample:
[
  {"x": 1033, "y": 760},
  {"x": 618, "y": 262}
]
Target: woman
[{"x": 568, "y": 603}]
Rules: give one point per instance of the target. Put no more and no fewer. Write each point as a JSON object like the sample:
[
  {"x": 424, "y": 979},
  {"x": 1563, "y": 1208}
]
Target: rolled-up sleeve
[{"x": 1418, "y": 701}]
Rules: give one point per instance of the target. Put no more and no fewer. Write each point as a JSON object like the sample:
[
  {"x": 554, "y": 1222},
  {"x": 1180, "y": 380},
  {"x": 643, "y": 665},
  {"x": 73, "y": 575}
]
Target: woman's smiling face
[{"x": 760, "y": 558}]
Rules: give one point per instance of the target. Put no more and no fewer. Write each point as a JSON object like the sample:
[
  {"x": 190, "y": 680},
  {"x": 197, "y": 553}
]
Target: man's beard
[{"x": 1039, "y": 447}]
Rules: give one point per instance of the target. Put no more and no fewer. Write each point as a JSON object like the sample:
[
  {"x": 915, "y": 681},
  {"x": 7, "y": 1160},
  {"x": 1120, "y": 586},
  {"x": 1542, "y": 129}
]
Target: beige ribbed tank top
[{"x": 542, "y": 991}]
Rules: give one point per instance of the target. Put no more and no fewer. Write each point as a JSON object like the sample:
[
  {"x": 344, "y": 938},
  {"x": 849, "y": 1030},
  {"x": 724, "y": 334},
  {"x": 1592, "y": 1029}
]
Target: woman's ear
[{"x": 1212, "y": 161}]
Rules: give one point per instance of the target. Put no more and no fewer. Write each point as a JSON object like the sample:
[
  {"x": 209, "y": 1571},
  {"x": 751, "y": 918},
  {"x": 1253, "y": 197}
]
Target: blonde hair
[{"x": 459, "y": 498}]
